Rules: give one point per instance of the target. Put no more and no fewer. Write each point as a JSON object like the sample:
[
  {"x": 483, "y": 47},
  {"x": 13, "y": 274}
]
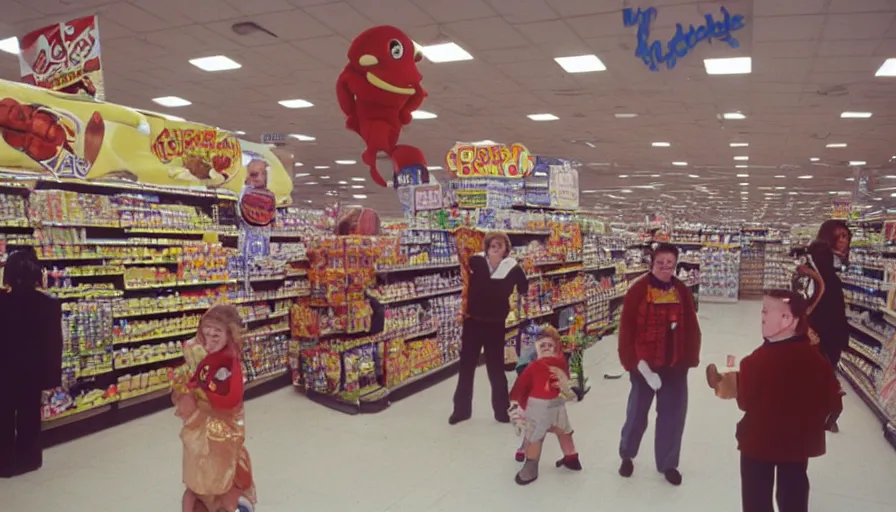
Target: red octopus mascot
[{"x": 378, "y": 90}]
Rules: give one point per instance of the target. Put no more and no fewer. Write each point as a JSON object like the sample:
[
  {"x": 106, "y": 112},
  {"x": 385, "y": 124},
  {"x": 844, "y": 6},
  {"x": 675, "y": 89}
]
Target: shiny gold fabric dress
[{"x": 215, "y": 459}]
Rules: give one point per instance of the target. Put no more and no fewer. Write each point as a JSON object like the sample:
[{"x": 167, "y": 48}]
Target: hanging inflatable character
[{"x": 378, "y": 90}]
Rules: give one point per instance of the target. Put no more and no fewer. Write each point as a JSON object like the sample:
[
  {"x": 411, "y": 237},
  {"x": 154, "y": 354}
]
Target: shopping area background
[{"x": 232, "y": 137}]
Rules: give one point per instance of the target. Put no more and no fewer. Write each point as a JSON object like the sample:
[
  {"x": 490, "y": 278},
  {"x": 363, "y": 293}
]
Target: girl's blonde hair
[{"x": 227, "y": 316}]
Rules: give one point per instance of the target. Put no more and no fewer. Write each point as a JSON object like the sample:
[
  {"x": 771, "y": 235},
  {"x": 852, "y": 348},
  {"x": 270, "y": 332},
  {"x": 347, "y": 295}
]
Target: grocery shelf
[
  {"x": 435, "y": 293},
  {"x": 861, "y": 389}
]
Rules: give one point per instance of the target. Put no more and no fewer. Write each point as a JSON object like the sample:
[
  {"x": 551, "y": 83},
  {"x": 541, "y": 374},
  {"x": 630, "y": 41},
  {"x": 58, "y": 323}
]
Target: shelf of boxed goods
[{"x": 55, "y": 222}]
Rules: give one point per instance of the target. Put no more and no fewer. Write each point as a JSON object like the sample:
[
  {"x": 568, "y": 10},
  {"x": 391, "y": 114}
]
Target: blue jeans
[{"x": 671, "y": 411}]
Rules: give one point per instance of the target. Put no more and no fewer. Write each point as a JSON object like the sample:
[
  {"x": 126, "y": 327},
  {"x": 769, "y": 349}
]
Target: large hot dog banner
[
  {"x": 64, "y": 57},
  {"x": 76, "y": 137}
]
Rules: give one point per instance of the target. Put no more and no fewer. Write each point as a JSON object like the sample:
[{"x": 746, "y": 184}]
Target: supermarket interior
[{"x": 333, "y": 170}]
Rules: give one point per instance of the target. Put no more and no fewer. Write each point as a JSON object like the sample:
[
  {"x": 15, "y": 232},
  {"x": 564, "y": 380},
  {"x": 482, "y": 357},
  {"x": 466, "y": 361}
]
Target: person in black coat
[
  {"x": 492, "y": 277},
  {"x": 30, "y": 361}
]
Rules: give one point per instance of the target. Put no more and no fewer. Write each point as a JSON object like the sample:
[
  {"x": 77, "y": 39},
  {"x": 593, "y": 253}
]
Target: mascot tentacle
[{"x": 378, "y": 90}]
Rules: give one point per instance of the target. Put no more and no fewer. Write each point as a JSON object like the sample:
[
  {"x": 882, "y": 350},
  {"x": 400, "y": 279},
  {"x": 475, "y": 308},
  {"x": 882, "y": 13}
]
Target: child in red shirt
[
  {"x": 542, "y": 391},
  {"x": 786, "y": 412}
]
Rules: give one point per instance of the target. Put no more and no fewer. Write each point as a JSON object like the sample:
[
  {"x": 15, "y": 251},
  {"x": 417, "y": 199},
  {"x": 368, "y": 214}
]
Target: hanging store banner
[
  {"x": 411, "y": 175},
  {"x": 72, "y": 136},
  {"x": 427, "y": 198},
  {"x": 467, "y": 160},
  {"x": 64, "y": 57},
  {"x": 564, "y": 187},
  {"x": 715, "y": 27}
]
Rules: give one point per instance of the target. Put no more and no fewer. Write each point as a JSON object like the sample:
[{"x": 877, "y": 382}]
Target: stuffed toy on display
[{"x": 378, "y": 90}]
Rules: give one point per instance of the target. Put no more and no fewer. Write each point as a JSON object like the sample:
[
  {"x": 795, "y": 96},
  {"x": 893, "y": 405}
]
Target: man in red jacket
[
  {"x": 659, "y": 341},
  {"x": 789, "y": 395}
]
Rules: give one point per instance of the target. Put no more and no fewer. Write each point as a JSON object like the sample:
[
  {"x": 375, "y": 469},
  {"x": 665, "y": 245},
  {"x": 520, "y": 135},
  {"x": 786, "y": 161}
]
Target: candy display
[{"x": 719, "y": 274}]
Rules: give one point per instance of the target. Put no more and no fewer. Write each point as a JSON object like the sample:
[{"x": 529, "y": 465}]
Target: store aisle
[{"x": 408, "y": 459}]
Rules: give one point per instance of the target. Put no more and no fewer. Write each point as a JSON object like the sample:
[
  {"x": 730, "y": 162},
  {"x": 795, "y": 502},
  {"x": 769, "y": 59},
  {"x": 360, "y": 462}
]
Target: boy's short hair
[
  {"x": 797, "y": 304},
  {"x": 496, "y": 235},
  {"x": 664, "y": 248}
]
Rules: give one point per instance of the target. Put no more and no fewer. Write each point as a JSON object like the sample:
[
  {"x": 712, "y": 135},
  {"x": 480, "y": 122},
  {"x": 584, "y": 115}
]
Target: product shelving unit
[{"x": 134, "y": 273}]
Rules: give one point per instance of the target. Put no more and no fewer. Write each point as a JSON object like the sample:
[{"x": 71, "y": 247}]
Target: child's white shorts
[{"x": 542, "y": 415}]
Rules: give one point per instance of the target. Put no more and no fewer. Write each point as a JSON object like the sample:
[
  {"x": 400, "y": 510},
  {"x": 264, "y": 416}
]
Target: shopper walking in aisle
[
  {"x": 659, "y": 341},
  {"x": 31, "y": 344},
  {"x": 828, "y": 255},
  {"x": 493, "y": 277},
  {"x": 785, "y": 411}
]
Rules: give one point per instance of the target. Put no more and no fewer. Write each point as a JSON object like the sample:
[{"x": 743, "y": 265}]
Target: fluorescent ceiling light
[
  {"x": 298, "y": 164},
  {"x": 435, "y": 168},
  {"x": 342, "y": 182},
  {"x": 805, "y": 177},
  {"x": 836, "y": 145},
  {"x": 10, "y": 45},
  {"x": 739, "y": 144},
  {"x": 215, "y": 63},
  {"x": 744, "y": 192},
  {"x": 780, "y": 177},
  {"x": 239, "y": 132},
  {"x": 744, "y": 184},
  {"x": 625, "y": 116},
  {"x": 296, "y": 103},
  {"x": 814, "y": 159},
  {"x": 543, "y": 117},
  {"x": 346, "y": 162},
  {"x": 302, "y": 175},
  {"x": 660, "y": 144},
  {"x": 581, "y": 63},
  {"x": 729, "y": 66},
  {"x": 358, "y": 179},
  {"x": 850, "y": 179},
  {"x": 422, "y": 114},
  {"x": 359, "y": 196},
  {"x": 741, "y": 158},
  {"x": 888, "y": 68},
  {"x": 792, "y": 193},
  {"x": 623, "y": 176},
  {"x": 680, "y": 164},
  {"x": 741, "y": 166},
  {"x": 356, "y": 187},
  {"x": 733, "y": 115},
  {"x": 324, "y": 177},
  {"x": 171, "y": 101},
  {"x": 445, "y": 52},
  {"x": 302, "y": 138},
  {"x": 743, "y": 175},
  {"x": 693, "y": 175},
  {"x": 780, "y": 188},
  {"x": 890, "y": 177},
  {"x": 855, "y": 115},
  {"x": 321, "y": 166},
  {"x": 310, "y": 183},
  {"x": 857, "y": 163}
]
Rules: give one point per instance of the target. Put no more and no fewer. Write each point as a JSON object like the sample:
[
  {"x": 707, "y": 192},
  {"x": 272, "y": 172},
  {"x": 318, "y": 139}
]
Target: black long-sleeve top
[
  {"x": 30, "y": 340},
  {"x": 828, "y": 319},
  {"x": 488, "y": 294}
]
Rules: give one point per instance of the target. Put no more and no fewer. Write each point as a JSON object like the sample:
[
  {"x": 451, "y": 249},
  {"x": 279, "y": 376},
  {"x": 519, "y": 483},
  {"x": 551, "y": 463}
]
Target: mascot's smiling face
[{"x": 388, "y": 59}]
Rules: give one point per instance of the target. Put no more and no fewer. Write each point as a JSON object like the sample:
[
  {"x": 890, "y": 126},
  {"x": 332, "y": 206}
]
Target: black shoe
[
  {"x": 457, "y": 418},
  {"x": 626, "y": 468},
  {"x": 570, "y": 462},
  {"x": 520, "y": 481},
  {"x": 673, "y": 476},
  {"x": 502, "y": 418}
]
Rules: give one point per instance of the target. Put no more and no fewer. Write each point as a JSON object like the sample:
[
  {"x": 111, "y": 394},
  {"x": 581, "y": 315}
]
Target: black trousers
[
  {"x": 20, "y": 449},
  {"x": 757, "y": 483},
  {"x": 478, "y": 336}
]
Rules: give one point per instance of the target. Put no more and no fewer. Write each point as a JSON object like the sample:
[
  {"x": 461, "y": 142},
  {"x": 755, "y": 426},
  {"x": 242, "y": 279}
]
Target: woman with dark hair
[
  {"x": 31, "y": 361},
  {"x": 826, "y": 256},
  {"x": 492, "y": 277}
]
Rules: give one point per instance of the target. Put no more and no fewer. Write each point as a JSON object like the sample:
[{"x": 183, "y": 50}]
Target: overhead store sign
[
  {"x": 564, "y": 187},
  {"x": 69, "y": 137},
  {"x": 467, "y": 160},
  {"x": 64, "y": 57},
  {"x": 427, "y": 197},
  {"x": 655, "y": 53}
]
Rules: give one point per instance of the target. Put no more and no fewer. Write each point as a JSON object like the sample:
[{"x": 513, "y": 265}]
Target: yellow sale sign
[{"x": 76, "y": 137}]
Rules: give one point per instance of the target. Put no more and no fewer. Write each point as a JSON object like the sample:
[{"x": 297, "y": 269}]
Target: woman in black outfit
[
  {"x": 829, "y": 255},
  {"x": 493, "y": 276},
  {"x": 30, "y": 361}
]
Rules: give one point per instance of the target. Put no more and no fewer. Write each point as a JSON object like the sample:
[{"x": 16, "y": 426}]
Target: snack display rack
[
  {"x": 869, "y": 363},
  {"x": 135, "y": 266}
]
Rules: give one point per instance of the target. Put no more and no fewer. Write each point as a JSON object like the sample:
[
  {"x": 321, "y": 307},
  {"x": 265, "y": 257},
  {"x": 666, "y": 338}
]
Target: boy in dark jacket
[{"x": 786, "y": 412}]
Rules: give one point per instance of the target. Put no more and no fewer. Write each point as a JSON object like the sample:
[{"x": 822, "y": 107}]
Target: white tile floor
[{"x": 407, "y": 459}]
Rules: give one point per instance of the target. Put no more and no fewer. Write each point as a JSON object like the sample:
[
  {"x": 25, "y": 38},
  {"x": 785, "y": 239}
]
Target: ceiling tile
[
  {"x": 523, "y": 11},
  {"x": 766, "y": 8},
  {"x": 455, "y": 10},
  {"x": 857, "y": 26},
  {"x": 341, "y": 18},
  {"x": 136, "y": 19},
  {"x": 398, "y": 13},
  {"x": 259, "y": 6},
  {"x": 788, "y": 28},
  {"x": 485, "y": 34},
  {"x": 848, "y": 48}
]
